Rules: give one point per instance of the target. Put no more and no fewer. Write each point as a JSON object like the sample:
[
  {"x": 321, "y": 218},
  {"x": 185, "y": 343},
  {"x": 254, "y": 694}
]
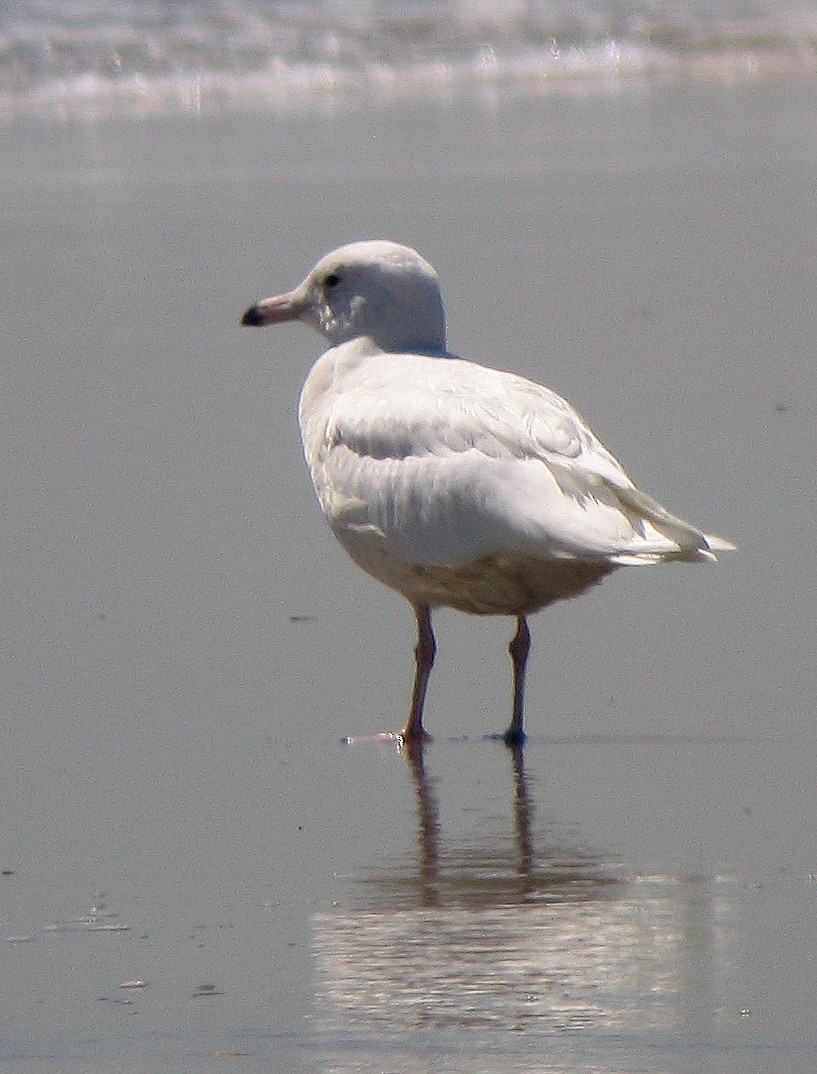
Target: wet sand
[{"x": 185, "y": 645}]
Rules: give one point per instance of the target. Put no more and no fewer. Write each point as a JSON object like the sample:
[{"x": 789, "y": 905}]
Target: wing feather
[{"x": 444, "y": 461}]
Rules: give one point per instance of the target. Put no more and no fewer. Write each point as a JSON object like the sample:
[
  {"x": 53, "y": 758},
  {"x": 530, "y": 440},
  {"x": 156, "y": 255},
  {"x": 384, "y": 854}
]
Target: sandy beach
[{"x": 196, "y": 874}]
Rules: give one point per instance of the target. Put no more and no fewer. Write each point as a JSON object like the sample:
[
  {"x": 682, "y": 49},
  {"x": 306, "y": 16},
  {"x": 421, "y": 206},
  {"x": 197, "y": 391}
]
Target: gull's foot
[
  {"x": 511, "y": 738},
  {"x": 409, "y": 739},
  {"x": 386, "y": 738}
]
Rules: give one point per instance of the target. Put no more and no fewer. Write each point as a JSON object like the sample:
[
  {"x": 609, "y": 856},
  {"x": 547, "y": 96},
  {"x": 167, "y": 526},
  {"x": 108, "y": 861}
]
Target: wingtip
[{"x": 719, "y": 544}]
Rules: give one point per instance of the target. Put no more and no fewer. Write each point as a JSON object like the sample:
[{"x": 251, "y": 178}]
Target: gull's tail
[{"x": 684, "y": 541}]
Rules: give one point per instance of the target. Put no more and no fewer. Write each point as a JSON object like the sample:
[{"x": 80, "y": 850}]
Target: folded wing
[{"x": 441, "y": 462}]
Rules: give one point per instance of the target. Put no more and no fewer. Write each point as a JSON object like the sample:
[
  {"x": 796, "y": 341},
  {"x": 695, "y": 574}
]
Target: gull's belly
[{"x": 503, "y": 583}]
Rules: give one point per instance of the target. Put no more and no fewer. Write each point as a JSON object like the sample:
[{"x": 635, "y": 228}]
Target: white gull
[{"x": 456, "y": 484}]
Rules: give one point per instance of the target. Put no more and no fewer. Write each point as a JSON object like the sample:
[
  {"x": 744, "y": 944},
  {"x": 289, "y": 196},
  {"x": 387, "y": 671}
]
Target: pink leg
[
  {"x": 413, "y": 734},
  {"x": 424, "y": 654},
  {"x": 519, "y": 649}
]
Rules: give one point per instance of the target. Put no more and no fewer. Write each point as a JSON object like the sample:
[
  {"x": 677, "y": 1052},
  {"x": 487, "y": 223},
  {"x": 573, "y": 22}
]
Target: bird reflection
[
  {"x": 523, "y": 813},
  {"x": 428, "y": 815},
  {"x": 521, "y": 931},
  {"x": 493, "y": 870}
]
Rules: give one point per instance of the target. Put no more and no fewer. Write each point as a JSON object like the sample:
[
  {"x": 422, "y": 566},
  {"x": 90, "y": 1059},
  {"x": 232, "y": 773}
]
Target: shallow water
[{"x": 184, "y": 645}]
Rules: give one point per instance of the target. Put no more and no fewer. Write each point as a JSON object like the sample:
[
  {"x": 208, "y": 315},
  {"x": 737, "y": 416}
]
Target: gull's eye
[{"x": 332, "y": 280}]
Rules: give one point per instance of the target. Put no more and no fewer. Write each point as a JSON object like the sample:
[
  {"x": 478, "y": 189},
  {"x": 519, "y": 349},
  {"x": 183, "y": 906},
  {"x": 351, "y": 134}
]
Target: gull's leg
[
  {"x": 413, "y": 734},
  {"x": 519, "y": 649},
  {"x": 424, "y": 654}
]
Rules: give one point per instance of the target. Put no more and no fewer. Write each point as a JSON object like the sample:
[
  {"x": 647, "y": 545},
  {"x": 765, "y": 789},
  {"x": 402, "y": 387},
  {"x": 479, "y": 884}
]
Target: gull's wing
[{"x": 443, "y": 461}]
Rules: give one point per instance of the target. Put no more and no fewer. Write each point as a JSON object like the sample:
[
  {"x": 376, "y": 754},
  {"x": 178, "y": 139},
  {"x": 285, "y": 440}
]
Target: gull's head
[{"x": 378, "y": 290}]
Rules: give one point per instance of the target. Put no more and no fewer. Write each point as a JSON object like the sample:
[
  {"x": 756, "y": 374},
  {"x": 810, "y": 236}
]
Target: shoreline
[{"x": 318, "y": 91}]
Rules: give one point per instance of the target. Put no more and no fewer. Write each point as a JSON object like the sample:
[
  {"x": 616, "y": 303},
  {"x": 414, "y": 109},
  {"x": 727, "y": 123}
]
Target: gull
[{"x": 455, "y": 484}]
